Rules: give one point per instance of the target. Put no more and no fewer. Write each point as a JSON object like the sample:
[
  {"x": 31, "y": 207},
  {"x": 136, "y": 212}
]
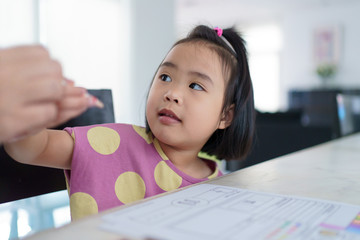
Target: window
[
  {"x": 264, "y": 45},
  {"x": 85, "y": 36}
]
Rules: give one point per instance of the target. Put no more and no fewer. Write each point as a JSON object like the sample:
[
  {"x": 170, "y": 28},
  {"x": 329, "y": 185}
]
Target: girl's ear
[{"x": 227, "y": 117}]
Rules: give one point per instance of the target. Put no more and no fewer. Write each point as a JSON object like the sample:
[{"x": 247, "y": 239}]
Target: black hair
[{"x": 235, "y": 141}]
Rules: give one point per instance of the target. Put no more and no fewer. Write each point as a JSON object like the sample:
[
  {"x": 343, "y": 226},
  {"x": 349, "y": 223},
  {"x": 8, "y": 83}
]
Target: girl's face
[{"x": 185, "y": 101}]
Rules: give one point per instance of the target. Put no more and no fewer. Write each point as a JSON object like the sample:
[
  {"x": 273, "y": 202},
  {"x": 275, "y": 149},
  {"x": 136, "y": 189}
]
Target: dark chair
[
  {"x": 278, "y": 134},
  {"x": 19, "y": 181},
  {"x": 319, "y": 106},
  {"x": 348, "y": 113},
  {"x": 314, "y": 116}
]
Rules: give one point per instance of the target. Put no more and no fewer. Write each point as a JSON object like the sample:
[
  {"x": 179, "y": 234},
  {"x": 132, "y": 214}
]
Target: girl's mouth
[{"x": 168, "y": 117}]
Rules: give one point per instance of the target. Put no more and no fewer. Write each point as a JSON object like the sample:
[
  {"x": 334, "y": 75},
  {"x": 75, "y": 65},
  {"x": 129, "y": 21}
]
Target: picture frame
[{"x": 327, "y": 45}]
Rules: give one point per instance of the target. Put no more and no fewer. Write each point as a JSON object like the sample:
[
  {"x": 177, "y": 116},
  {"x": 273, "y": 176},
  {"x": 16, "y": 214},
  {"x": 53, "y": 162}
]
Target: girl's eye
[
  {"x": 196, "y": 86},
  {"x": 165, "y": 78}
]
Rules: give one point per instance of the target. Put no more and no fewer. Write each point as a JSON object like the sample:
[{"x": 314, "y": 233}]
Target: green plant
[{"x": 326, "y": 70}]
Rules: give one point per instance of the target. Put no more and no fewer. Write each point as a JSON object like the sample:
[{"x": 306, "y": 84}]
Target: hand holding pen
[
  {"x": 75, "y": 100},
  {"x": 34, "y": 94}
]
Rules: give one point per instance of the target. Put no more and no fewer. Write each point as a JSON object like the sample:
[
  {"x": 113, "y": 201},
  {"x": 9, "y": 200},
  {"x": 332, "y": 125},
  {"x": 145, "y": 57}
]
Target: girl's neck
[{"x": 187, "y": 161}]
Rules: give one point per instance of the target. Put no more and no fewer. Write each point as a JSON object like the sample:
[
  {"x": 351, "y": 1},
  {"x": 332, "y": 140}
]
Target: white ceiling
[
  {"x": 246, "y": 11},
  {"x": 266, "y": 3}
]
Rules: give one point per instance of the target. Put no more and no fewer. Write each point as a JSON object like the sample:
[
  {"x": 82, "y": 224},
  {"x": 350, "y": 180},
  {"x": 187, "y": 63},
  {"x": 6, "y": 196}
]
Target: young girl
[{"x": 200, "y": 100}]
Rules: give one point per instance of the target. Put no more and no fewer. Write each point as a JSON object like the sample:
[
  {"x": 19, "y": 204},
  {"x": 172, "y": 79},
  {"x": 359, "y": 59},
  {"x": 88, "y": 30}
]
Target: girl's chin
[{"x": 166, "y": 120}]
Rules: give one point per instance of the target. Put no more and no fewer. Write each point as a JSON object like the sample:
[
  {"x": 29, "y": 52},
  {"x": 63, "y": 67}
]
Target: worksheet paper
[{"x": 209, "y": 211}]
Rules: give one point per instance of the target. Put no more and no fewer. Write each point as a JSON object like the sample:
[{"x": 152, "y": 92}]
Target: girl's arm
[
  {"x": 53, "y": 148},
  {"x": 50, "y": 148}
]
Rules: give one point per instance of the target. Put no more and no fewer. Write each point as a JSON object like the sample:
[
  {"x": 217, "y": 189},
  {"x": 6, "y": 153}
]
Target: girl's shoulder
[
  {"x": 110, "y": 131},
  {"x": 105, "y": 127}
]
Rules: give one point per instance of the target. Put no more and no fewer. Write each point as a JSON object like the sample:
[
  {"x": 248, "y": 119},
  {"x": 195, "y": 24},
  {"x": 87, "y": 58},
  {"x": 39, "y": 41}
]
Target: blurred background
[
  {"x": 303, "y": 54},
  {"x": 118, "y": 44}
]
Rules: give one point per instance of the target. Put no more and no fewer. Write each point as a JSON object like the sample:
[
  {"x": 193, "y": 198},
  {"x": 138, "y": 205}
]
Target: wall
[
  {"x": 151, "y": 34},
  {"x": 119, "y": 49},
  {"x": 147, "y": 31},
  {"x": 16, "y": 22},
  {"x": 114, "y": 44},
  {"x": 297, "y": 20},
  {"x": 297, "y": 65}
]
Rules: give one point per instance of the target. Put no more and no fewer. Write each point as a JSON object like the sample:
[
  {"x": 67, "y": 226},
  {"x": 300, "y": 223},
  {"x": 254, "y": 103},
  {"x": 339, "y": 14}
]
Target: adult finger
[
  {"x": 21, "y": 53},
  {"x": 72, "y": 91},
  {"x": 67, "y": 114},
  {"x": 41, "y": 67},
  {"x": 75, "y": 96},
  {"x": 32, "y": 80},
  {"x": 74, "y": 102},
  {"x": 43, "y": 89}
]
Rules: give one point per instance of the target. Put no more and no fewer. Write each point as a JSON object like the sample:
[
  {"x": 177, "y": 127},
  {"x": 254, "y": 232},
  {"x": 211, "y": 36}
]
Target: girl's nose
[{"x": 172, "y": 96}]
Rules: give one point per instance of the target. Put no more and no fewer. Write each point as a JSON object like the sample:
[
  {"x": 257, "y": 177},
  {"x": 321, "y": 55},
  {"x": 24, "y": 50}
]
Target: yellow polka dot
[
  {"x": 67, "y": 184},
  {"x": 82, "y": 205},
  {"x": 207, "y": 156},
  {"x": 130, "y": 187},
  {"x": 142, "y": 132},
  {"x": 103, "y": 140},
  {"x": 215, "y": 174},
  {"x": 166, "y": 178},
  {"x": 159, "y": 150}
]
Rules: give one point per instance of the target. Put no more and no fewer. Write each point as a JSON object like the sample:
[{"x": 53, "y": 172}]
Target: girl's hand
[{"x": 53, "y": 148}]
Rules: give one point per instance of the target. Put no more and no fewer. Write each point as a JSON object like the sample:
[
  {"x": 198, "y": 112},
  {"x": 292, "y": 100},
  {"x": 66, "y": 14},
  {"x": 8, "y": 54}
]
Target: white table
[{"x": 330, "y": 171}]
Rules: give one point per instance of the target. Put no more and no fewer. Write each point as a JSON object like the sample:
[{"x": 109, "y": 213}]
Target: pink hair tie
[{"x": 219, "y": 31}]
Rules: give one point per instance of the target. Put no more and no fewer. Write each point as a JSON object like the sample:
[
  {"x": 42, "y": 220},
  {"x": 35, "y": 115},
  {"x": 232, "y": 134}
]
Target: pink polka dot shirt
[{"x": 115, "y": 164}]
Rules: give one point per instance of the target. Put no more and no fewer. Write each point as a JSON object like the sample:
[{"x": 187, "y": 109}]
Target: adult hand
[
  {"x": 74, "y": 102},
  {"x": 32, "y": 89}
]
